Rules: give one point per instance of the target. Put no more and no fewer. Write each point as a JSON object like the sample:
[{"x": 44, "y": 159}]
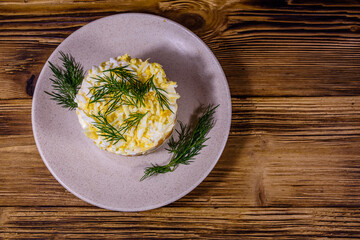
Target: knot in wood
[{"x": 192, "y": 21}]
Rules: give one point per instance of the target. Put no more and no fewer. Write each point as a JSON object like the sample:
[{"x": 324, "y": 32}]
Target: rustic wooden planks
[
  {"x": 181, "y": 223},
  {"x": 265, "y": 51},
  {"x": 298, "y": 151}
]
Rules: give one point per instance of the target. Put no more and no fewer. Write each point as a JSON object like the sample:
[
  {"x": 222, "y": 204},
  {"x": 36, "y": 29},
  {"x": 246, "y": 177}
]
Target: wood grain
[
  {"x": 291, "y": 167},
  {"x": 264, "y": 51},
  {"x": 181, "y": 223},
  {"x": 264, "y": 172},
  {"x": 281, "y": 152}
]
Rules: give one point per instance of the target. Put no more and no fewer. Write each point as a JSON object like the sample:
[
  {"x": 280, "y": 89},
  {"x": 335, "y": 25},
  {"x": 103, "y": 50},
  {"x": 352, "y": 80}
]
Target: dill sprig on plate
[
  {"x": 187, "y": 146},
  {"x": 112, "y": 134},
  {"x": 66, "y": 81}
]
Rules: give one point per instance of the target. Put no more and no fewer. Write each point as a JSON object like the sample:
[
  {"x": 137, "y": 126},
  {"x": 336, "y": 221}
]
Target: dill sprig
[
  {"x": 119, "y": 87},
  {"x": 187, "y": 146},
  {"x": 112, "y": 134},
  {"x": 122, "y": 87},
  {"x": 112, "y": 90},
  {"x": 159, "y": 94},
  {"x": 135, "y": 86},
  {"x": 125, "y": 74},
  {"x": 106, "y": 130},
  {"x": 66, "y": 81},
  {"x": 132, "y": 121}
]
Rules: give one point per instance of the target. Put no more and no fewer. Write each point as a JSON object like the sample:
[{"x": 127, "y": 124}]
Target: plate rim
[{"x": 194, "y": 185}]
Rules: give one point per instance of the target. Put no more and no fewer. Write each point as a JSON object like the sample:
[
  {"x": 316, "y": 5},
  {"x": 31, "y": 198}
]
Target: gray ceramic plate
[{"x": 111, "y": 181}]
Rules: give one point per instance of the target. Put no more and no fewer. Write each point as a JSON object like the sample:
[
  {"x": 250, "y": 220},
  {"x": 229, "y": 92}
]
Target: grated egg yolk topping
[{"x": 154, "y": 127}]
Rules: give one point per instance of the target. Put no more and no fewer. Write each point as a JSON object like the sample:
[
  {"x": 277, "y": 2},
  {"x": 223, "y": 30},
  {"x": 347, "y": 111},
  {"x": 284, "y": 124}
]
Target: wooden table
[{"x": 291, "y": 167}]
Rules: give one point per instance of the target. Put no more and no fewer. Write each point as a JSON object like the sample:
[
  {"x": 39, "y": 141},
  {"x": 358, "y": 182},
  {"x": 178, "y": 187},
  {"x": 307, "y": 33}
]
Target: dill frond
[
  {"x": 188, "y": 144},
  {"x": 66, "y": 81}
]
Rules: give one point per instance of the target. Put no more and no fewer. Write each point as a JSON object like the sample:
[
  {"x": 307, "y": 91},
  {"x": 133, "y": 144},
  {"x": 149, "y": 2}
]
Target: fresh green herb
[
  {"x": 109, "y": 132},
  {"x": 162, "y": 99},
  {"x": 188, "y": 145},
  {"x": 106, "y": 130},
  {"x": 124, "y": 73},
  {"x": 133, "y": 120},
  {"x": 66, "y": 81},
  {"x": 114, "y": 91},
  {"x": 135, "y": 86},
  {"x": 122, "y": 87},
  {"x": 119, "y": 87}
]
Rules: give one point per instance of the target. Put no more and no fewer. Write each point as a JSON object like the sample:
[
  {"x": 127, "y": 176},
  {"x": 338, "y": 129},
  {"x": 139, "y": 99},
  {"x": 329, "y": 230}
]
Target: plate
[{"x": 110, "y": 181}]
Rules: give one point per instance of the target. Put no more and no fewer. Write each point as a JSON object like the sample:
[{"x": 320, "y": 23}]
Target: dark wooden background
[{"x": 291, "y": 167}]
